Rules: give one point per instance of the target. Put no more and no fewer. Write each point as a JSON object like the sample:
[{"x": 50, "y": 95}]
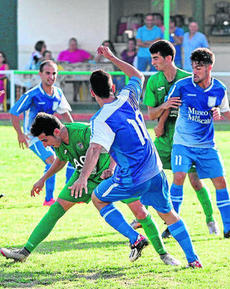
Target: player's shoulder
[
  {"x": 76, "y": 126},
  {"x": 219, "y": 84},
  {"x": 184, "y": 81},
  {"x": 183, "y": 73},
  {"x": 156, "y": 77},
  {"x": 33, "y": 91}
]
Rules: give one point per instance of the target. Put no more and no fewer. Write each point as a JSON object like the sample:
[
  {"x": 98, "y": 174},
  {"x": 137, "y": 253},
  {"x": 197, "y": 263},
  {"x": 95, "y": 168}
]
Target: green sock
[
  {"x": 204, "y": 198},
  {"x": 153, "y": 235},
  {"x": 45, "y": 226}
]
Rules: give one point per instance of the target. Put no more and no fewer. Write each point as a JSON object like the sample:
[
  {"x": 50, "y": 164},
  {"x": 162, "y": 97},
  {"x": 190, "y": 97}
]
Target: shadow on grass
[
  {"x": 43, "y": 278},
  {"x": 80, "y": 243}
]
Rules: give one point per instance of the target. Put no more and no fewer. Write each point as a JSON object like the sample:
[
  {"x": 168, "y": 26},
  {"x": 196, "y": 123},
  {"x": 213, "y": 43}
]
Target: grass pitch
[{"x": 83, "y": 251}]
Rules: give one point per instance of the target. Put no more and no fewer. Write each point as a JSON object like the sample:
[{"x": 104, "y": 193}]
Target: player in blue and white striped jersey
[
  {"x": 48, "y": 98},
  {"x": 193, "y": 141},
  {"x": 118, "y": 127}
]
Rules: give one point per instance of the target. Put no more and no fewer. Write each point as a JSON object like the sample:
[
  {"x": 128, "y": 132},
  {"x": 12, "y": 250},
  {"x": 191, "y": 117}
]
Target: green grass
[{"x": 83, "y": 251}]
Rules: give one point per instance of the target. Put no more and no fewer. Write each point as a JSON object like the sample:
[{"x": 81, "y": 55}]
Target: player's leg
[
  {"x": 223, "y": 203},
  {"x": 209, "y": 159},
  {"x": 69, "y": 172},
  {"x": 64, "y": 202},
  {"x": 102, "y": 198},
  {"x": 204, "y": 199},
  {"x": 151, "y": 230},
  {"x": 47, "y": 156},
  {"x": 157, "y": 195}
]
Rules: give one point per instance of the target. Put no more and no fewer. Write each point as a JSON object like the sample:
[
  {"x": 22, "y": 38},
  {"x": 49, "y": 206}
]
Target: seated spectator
[
  {"x": 47, "y": 55},
  {"x": 101, "y": 58},
  {"x": 36, "y": 56},
  {"x": 176, "y": 37},
  {"x": 129, "y": 54},
  {"x": 73, "y": 54},
  {"x": 3, "y": 66}
]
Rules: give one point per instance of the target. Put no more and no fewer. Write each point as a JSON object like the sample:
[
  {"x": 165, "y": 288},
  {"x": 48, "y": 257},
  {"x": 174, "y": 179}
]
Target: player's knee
[
  {"x": 179, "y": 178},
  {"x": 138, "y": 210},
  {"x": 50, "y": 160},
  {"x": 219, "y": 183},
  {"x": 195, "y": 181}
]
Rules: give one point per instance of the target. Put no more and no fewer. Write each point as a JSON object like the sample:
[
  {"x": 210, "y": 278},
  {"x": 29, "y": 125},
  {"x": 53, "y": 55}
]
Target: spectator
[
  {"x": 36, "y": 56},
  {"x": 146, "y": 35},
  {"x": 129, "y": 54},
  {"x": 47, "y": 55},
  {"x": 159, "y": 21},
  {"x": 73, "y": 54},
  {"x": 176, "y": 38},
  {"x": 192, "y": 40},
  {"x": 3, "y": 66}
]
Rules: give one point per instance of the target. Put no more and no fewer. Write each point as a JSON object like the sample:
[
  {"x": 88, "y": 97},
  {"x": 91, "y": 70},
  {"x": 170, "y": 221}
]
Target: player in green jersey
[
  {"x": 71, "y": 142},
  {"x": 157, "y": 88}
]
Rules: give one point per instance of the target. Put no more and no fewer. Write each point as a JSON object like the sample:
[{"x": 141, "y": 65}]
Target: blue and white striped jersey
[
  {"x": 194, "y": 125},
  {"x": 119, "y": 127},
  {"x": 36, "y": 100}
]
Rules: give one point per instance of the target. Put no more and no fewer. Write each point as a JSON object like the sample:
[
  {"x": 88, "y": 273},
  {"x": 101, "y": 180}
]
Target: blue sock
[
  {"x": 223, "y": 204},
  {"x": 69, "y": 172},
  {"x": 115, "y": 219},
  {"x": 180, "y": 233},
  {"x": 50, "y": 185},
  {"x": 176, "y": 193}
]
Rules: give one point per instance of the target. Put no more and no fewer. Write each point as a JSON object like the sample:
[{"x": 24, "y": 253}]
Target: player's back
[{"x": 121, "y": 125}]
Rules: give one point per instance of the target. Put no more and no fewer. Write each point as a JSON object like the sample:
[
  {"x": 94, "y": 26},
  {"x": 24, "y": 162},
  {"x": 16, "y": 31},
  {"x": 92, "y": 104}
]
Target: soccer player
[
  {"x": 71, "y": 142},
  {"x": 158, "y": 85},
  {"x": 118, "y": 127},
  {"x": 193, "y": 141},
  {"x": 47, "y": 98}
]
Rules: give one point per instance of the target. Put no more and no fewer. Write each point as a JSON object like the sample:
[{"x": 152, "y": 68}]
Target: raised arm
[{"x": 128, "y": 69}]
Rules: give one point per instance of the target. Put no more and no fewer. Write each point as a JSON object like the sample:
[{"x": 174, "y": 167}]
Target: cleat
[
  {"x": 227, "y": 235},
  {"x": 137, "y": 248},
  {"x": 15, "y": 254},
  {"x": 49, "y": 203},
  {"x": 166, "y": 234},
  {"x": 213, "y": 228},
  {"x": 170, "y": 260},
  {"x": 135, "y": 225},
  {"x": 194, "y": 264}
]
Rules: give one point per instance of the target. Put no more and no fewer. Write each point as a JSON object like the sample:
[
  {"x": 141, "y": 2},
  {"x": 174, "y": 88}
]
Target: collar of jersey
[
  {"x": 200, "y": 88},
  {"x": 43, "y": 91}
]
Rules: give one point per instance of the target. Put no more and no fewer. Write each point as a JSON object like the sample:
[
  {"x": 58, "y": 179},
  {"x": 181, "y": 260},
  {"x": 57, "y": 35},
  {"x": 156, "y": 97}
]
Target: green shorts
[{"x": 65, "y": 194}]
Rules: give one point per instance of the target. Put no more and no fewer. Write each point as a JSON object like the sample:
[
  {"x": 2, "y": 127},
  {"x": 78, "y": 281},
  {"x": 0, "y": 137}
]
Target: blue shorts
[
  {"x": 207, "y": 161},
  {"x": 42, "y": 152},
  {"x": 154, "y": 192}
]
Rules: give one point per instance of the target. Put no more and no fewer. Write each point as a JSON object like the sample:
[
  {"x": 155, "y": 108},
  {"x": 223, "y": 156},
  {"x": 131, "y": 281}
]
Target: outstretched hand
[
  {"x": 105, "y": 51},
  {"x": 37, "y": 187},
  {"x": 172, "y": 102},
  {"x": 22, "y": 140},
  {"x": 78, "y": 187}
]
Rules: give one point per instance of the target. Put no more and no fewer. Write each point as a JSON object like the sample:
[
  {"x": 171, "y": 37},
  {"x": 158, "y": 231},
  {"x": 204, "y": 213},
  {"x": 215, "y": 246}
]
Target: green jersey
[
  {"x": 75, "y": 151},
  {"x": 156, "y": 90}
]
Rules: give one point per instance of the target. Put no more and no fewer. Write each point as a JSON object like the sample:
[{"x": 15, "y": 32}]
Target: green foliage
[{"x": 83, "y": 251}]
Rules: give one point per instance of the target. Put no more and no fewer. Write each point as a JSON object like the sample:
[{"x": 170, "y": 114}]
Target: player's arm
[
  {"x": 57, "y": 165},
  {"x": 109, "y": 172},
  {"x": 67, "y": 117},
  {"x": 159, "y": 129},
  {"x": 128, "y": 69},
  {"x": 64, "y": 108},
  {"x": 22, "y": 138},
  {"x": 91, "y": 159}
]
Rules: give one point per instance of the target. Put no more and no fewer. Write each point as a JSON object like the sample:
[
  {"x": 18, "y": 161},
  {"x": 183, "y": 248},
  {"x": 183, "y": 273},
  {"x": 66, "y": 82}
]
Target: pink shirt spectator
[{"x": 78, "y": 55}]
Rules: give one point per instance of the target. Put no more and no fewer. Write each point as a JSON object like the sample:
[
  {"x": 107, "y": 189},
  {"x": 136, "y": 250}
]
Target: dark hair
[
  {"x": 203, "y": 56},
  {"x": 46, "y": 62},
  {"x": 158, "y": 15},
  {"x": 100, "y": 85},
  {"x": 46, "y": 51},
  {"x": 73, "y": 39},
  {"x": 111, "y": 46},
  {"x": 164, "y": 47},
  {"x": 133, "y": 39},
  {"x": 4, "y": 56},
  {"x": 45, "y": 123},
  {"x": 38, "y": 45}
]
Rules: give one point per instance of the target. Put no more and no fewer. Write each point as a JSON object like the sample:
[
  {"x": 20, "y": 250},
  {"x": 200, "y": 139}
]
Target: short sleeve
[
  {"x": 224, "y": 106},
  {"x": 173, "y": 92},
  {"x": 101, "y": 134},
  {"x": 150, "y": 97},
  {"x": 21, "y": 105},
  {"x": 64, "y": 105}
]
